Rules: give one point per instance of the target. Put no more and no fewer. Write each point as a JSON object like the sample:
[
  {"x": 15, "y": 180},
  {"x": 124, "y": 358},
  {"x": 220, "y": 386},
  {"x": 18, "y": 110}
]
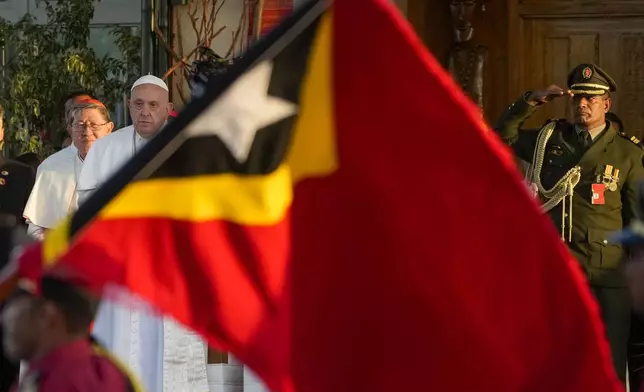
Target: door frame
[{"x": 519, "y": 10}]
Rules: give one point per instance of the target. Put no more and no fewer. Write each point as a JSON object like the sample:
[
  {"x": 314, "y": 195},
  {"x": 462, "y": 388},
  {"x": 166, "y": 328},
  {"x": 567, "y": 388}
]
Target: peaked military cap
[{"x": 589, "y": 79}]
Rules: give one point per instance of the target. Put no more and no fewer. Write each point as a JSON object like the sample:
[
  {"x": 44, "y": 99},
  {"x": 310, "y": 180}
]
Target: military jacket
[
  {"x": 16, "y": 182},
  {"x": 612, "y": 156}
]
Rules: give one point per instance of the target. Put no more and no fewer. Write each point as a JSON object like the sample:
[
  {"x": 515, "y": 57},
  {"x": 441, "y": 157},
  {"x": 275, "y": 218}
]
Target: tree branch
[
  {"x": 209, "y": 41},
  {"x": 165, "y": 43},
  {"x": 236, "y": 34},
  {"x": 210, "y": 26},
  {"x": 204, "y": 18},
  {"x": 180, "y": 63}
]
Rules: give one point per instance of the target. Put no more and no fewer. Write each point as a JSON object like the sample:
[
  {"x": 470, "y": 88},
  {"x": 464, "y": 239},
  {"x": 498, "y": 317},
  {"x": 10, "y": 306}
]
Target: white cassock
[
  {"x": 53, "y": 196},
  {"x": 166, "y": 356}
]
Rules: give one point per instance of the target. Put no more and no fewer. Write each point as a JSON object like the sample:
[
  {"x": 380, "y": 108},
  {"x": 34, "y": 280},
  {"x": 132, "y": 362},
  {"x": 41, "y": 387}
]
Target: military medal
[
  {"x": 612, "y": 186},
  {"x": 609, "y": 178}
]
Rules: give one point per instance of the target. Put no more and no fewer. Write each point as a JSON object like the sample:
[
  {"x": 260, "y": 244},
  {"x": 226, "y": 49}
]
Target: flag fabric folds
[{"x": 333, "y": 212}]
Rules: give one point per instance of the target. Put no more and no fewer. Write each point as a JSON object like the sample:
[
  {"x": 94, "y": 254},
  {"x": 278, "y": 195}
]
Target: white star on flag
[{"x": 242, "y": 110}]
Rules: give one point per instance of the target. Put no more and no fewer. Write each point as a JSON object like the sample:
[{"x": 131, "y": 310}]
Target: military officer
[
  {"x": 16, "y": 181},
  {"x": 586, "y": 174}
]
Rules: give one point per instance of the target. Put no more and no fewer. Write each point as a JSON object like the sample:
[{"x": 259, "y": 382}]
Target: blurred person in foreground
[
  {"x": 54, "y": 193},
  {"x": 636, "y": 336},
  {"x": 47, "y": 322},
  {"x": 632, "y": 238}
]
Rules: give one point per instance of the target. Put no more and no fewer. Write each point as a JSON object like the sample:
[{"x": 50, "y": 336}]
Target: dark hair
[{"x": 77, "y": 307}]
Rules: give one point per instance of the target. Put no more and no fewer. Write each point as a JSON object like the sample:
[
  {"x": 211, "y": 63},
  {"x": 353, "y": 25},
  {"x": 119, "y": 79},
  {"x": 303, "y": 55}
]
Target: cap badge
[{"x": 587, "y": 73}]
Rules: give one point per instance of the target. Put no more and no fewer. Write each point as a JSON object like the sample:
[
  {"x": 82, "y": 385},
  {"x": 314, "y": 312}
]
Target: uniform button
[{"x": 605, "y": 241}]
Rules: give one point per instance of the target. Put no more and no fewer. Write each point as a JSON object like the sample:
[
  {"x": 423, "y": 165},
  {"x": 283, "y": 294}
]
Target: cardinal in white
[
  {"x": 53, "y": 196},
  {"x": 163, "y": 354}
]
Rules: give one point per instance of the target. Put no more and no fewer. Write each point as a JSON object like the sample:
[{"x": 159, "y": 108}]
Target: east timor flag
[{"x": 333, "y": 212}]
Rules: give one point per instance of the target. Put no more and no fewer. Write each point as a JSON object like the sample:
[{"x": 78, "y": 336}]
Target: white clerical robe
[
  {"x": 53, "y": 196},
  {"x": 166, "y": 356}
]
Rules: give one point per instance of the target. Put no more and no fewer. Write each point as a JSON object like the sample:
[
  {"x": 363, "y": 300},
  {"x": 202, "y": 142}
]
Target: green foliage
[{"x": 49, "y": 60}]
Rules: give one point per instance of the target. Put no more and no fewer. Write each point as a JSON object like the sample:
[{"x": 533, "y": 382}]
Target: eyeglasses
[{"x": 80, "y": 127}]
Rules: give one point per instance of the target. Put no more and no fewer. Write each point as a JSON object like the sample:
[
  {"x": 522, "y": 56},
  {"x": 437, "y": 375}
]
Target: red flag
[{"x": 393, "y": 247}]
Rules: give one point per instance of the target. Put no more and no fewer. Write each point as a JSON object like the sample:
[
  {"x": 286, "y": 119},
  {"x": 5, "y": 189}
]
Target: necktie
[{"x": 585, "y": 141}]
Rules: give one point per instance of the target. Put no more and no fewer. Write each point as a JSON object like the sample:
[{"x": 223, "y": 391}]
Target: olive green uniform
[{"x": 592, "y": 224}]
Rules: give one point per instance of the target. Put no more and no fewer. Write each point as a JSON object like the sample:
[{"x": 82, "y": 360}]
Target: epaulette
[{"x": 632, "y": 139}]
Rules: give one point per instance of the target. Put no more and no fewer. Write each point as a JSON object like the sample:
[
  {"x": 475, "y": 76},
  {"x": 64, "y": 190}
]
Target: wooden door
[
  {"x": 547, "y": 38},
  {"x": 555, "y": 46}
]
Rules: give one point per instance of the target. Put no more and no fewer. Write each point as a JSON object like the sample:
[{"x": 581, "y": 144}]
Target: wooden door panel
[
  {"x": 554, "y": 46},
  {"x": 631, "y": 87}
]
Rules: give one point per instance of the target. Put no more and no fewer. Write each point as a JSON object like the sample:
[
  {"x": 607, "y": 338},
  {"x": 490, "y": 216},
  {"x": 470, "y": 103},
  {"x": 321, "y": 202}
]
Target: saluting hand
[{"x": 547, "y": 95}]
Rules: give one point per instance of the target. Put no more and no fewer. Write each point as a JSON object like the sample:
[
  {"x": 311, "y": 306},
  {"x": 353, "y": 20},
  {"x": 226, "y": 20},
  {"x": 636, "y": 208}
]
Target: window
[{"x": 103, "y": 42}]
